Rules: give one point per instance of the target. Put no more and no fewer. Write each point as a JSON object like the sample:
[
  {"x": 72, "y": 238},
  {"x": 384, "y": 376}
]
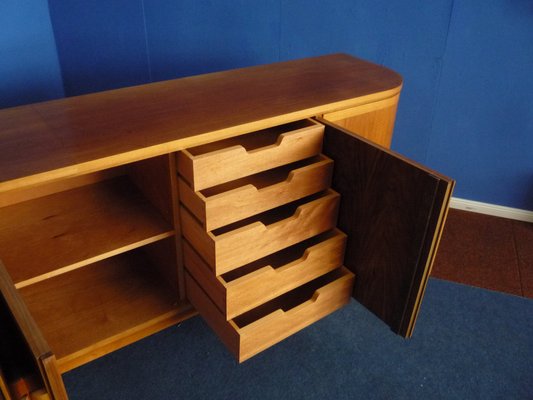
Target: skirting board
[{"x": 492, "y": 209}]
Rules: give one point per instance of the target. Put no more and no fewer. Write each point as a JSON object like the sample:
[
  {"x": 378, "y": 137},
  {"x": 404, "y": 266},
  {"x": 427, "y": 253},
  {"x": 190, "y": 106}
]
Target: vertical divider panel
[{"x": 155, "y": 177}]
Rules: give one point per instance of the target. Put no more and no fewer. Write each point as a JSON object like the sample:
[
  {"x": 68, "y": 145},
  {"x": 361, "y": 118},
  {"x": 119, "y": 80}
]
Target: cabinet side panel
[
  {"x": 391, "y": 211},
  {"x": 373, "y": 121}
]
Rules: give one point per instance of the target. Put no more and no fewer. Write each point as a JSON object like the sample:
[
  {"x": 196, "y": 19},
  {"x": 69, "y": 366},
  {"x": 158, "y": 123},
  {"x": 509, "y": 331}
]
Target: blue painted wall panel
[
  {"x": 409, "y": 39},
  {"x": 190, "y": 37},
  {"x": 466, "y": 107},
  {"x": 483, "y": 127},
  {"x": 101, "y": 44},
  {"x": 29, "y": 68}
]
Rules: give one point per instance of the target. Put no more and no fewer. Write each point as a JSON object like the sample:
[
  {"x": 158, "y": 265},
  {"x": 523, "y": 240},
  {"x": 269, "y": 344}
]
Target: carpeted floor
[{"x": 469, "y": 343}]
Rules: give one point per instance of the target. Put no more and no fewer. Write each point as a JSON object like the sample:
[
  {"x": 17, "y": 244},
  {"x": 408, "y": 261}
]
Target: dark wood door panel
[{"x": 393, "y": 211}]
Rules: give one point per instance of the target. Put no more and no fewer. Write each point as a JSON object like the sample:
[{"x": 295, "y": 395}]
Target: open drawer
[
  {"x": 227, "y": 160},
  {"x": 240, "y": 290},
  {"x": 233, "y": 201},
  {"x": 248, "y": 240},
  {"x": 274, "y": 321}
]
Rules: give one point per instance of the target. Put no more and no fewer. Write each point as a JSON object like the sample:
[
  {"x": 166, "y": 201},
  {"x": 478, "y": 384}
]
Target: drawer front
[
  {"x": 254, "y": 284},
  {"x": 265, "y": 326},
  {"x": 253, "y": 239},
  {"x": 237, "y": 200},
  {"x": 224, "y": 161}
]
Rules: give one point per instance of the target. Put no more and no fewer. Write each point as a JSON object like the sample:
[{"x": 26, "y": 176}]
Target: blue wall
[
  {"x": 29, "y": 69},
  {"x": 467, "y": 104}
]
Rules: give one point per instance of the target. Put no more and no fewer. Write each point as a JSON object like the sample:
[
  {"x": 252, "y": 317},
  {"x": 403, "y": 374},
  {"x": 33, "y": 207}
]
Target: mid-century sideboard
[{"x": 262, "y": 198}]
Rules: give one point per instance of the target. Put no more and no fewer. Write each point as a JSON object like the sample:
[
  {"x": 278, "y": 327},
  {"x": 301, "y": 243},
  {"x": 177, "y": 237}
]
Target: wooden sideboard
[{"x": 263, "y": 197}]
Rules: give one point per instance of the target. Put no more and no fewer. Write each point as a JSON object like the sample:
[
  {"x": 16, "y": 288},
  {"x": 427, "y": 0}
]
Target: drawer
[
  {"x": 274, "y": 321},
  {"x": 227, "y": 160},
  {"x": 248, "y": 240},
  {"x": 240, "y": 290},
  {"x": 233, "y": 201}
]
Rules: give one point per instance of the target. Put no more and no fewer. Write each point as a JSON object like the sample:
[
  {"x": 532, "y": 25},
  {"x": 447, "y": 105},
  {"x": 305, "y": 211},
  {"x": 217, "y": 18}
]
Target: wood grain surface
[
  {"x": 228, "y": 203},
  {"x": 393, "y": 211},
  {"x": 58, "y": 233},
  {"x": 90, "y": 312},
  {"x": 68, "y": 137},
  {"x": 248, "y": 240}
]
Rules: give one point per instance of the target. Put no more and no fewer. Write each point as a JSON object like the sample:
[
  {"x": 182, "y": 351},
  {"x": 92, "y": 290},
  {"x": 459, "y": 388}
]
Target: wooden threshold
[
  {"x": 89, "y": 312},
  {"x": 52, "y": 235}
]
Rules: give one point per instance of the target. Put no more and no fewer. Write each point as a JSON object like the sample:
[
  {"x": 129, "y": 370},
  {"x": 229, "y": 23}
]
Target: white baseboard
[{"x": 492, "y": 209}]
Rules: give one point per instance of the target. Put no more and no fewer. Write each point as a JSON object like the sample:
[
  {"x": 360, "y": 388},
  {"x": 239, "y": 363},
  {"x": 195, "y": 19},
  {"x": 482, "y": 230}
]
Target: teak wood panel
[
  {"x": 241, "y": 156},
  {"x": 249, "y": 196},
  {"x": 261, "y": 328},
  {"x": 90, "y": 312},
  {"x": 393, "y": 211},
  {"x": 374, "y": 121},
  {"x": 87, "y": 133},
  {"x": 238, "y": 292},
  {"x": 54, "y": 234},
  {"x": 256, "y": 237}
]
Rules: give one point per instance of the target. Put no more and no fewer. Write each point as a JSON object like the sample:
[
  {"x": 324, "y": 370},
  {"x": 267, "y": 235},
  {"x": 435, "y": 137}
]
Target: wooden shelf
[
  {"x": 89, "y": 312},
  {"x": 51, "y": 235}
]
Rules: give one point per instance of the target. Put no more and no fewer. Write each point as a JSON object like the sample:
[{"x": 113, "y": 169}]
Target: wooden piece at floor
[
  {"x": 40, "y": 394},
  {"x": 92, "y": 311},
  {"x": 4, "y": 392},
  {"x": 240, "y": 199},
  {"x": 249, "y": 154},
  {"x": 373, "y": 121},
  {"x": 31, "y": 342},
  {"x": 248, "y": 240},
  {"x": 67, "y": 230}
]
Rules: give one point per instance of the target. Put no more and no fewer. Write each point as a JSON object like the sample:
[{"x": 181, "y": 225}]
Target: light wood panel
[
  {"x": 89, "y": 312},
  {"x": 249, "y": 154},
  {"x": 83, "y": 134},
  {"x": 248, "y": 240},
  {"x": 228, "y": 203},
  {"x": 156, "y": 178},
  {"x": 374, "y": 121},
  {"x": 46, "y": 189},
  {"x": 254, "y": 284},
  {"x": 267, "y": 325},
  {"x": 57, "y": 233}
]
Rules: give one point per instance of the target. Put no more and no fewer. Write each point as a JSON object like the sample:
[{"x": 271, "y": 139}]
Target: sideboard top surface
[{"x": 56, "y": 139}]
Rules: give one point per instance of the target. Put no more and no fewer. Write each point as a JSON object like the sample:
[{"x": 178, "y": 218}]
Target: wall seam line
[
  {"x": 148, "y": 58},
  {"x": 438, "y": 83}
]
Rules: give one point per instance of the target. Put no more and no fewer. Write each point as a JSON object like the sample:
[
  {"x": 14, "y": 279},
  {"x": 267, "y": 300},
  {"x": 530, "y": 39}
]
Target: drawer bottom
[{"x": 264, "y": 326}]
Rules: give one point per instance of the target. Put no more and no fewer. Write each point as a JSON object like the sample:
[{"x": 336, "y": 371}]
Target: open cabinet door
[
  {"x": 393, "y": 211},
  {"x": 33, "y": 355}
]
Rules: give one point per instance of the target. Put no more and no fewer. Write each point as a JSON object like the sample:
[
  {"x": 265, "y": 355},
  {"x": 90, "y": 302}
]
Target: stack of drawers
[{"x": 262, "y": 255}]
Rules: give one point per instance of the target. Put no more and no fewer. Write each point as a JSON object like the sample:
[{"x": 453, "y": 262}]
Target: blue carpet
[{"x": 469, "y": 343}]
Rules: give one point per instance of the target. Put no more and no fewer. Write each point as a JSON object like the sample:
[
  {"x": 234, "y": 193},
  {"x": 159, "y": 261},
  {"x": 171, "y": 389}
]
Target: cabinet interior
[{"x": 94, "y": 258}]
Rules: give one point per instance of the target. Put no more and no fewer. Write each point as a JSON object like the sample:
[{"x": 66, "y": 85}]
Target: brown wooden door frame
[{"x": 393, "y": 211}]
